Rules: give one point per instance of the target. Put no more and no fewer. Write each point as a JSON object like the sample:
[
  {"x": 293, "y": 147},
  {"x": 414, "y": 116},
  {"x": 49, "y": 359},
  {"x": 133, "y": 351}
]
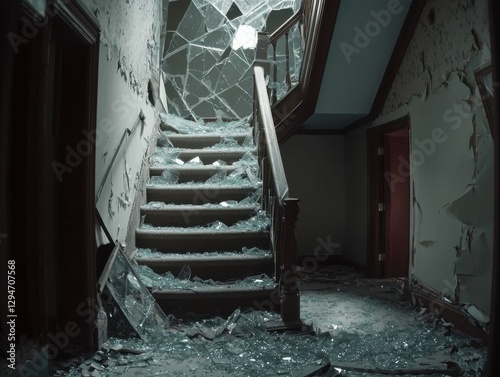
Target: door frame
[
  {"x": 25, "y": 127},
  {"x": 376, "y": 168},
  {"x": 493, "y": 364},
  {"x": 76, "y": 251}
]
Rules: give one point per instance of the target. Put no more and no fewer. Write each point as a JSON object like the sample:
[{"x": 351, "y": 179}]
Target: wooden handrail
[
  {"x": 275, "y": 200},
  {"x": 292, "y": 110},
  {"x": 287, "y": 26},
  {"x": 266, "y": 116},
  {"x": 311, "y": 44}
]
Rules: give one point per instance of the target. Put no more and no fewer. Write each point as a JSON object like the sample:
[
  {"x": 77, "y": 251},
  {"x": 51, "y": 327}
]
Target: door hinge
[
  {"x": 381, "y": 207},
  {"x": 381, "y": 257},
  {"x": 381, "y": 151}
]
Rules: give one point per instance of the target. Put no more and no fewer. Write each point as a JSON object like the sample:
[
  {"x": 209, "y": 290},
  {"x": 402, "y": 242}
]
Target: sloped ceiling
[{"x": 362, "y": 44}]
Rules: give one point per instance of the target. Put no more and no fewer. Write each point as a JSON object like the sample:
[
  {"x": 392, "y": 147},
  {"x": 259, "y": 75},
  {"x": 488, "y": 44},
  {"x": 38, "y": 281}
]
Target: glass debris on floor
[
  {"x": 359, "y": 323},
  {"x": 208, "y": 52}
]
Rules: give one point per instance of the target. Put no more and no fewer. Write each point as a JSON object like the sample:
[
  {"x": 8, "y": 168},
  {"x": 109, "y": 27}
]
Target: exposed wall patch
[{"x": 417, "y": 224}]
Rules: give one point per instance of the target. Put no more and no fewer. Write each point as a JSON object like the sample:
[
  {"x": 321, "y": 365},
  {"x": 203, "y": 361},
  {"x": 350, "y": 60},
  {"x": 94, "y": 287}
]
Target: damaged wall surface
[
  {"x": 451, "y": 157},
  {"x": 128, "y": 70}
]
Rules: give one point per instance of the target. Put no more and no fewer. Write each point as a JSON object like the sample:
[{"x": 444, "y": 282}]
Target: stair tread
[
  {"x": 210, "y": 151},
  {"x": 189, "y": 186},
  {"x": 194, "y": 232},
  {"x": 192, "y": 167},
  {"x": 208, "y": 135},
  {"x": 229, "y": 288},
  {"x": 198, "y": 208},
  {"x": 202, "y": 259}
]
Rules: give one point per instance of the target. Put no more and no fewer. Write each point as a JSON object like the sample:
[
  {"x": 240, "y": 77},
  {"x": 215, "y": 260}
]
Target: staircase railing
[
  {"x": 293, "y": 106},
  {"x": 282, "y": 209},
  {"x": 281, "y": 36}
]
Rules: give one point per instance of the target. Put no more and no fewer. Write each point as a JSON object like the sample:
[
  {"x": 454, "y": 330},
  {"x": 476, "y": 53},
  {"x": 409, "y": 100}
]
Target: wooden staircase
[{"x": 211, "y": 237}]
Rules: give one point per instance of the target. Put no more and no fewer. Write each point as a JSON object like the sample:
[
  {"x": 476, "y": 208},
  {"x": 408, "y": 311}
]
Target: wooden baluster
[
  {"x": 287, "y": 54},
  {"x": 274, "y": 98},
  {"x": 289, "y": 290}
]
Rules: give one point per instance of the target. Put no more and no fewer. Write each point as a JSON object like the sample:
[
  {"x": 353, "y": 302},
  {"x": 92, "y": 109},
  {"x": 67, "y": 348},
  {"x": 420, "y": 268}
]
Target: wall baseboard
[{"x": 461, "y": 320}]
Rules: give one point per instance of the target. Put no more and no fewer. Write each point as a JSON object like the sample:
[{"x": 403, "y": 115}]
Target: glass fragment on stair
[
  {"x": 252, "y": 251},
  {"x": 257, "y": 223},
  {"x": 166, "y": 156},
  {"x": 185, "y": 273},
  {"x": 135, "y": 301},
  {"x": 167, "y": 280},
  {"x": 226, "y": 143},
  {"x": 173, "y": 124}
]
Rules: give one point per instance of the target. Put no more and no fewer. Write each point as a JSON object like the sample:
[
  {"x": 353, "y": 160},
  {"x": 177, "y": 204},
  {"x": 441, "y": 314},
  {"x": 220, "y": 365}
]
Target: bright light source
[{"x": 245, "y": 37}]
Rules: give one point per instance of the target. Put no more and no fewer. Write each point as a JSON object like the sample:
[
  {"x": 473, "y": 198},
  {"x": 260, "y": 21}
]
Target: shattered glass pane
[
  {"x": 280, "y": 84},
  {"x": 137, "y": 304},
  {"x": 209, "y": 52}
]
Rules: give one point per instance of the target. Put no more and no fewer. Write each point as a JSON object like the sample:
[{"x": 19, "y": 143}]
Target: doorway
[
  {"x": 52, "y": 98},
  {"x": 389, "y": 199}
]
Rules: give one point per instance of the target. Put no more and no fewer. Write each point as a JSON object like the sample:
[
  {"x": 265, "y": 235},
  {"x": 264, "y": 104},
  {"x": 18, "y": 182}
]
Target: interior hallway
[{"x": 359, "y": 322}]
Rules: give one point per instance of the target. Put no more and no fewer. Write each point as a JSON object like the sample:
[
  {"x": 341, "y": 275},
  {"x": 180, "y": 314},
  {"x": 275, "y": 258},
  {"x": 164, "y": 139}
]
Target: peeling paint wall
[
  {"x": 451, "y": 158},
  {"x": 131, "y": 31},
  {"x": 128, "y": 65}
]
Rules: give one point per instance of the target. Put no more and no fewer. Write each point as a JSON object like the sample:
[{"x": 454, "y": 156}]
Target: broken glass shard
[
  {"x": 135, "y": 301},
  {"x": 214, "y": 42}
]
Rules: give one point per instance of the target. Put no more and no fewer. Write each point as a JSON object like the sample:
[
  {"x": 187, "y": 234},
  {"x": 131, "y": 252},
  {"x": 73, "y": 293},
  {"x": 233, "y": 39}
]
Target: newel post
[{"x": 290, "y": 298}]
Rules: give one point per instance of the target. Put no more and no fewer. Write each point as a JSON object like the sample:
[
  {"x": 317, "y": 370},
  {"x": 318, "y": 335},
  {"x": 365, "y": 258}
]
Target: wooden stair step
[
  {"x": 189, "y": 173},
  {"x": 198, "y": 193},
  {"x": 200, "y": 240},
  {"x": 209, "y": 156},
  {"x": 222, "y": 267},
  {"x": 200, "y": 141},
  {"x": 217, "y": 300},
  {"x": 193, "y": 215}
]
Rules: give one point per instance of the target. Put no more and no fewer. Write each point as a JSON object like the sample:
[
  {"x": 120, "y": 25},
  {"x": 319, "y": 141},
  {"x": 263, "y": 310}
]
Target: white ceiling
[{"x": 362, "y": 43}]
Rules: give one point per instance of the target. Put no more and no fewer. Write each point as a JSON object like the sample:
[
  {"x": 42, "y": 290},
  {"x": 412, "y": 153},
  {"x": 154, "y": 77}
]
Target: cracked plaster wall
[
  {"x": 128, "y": 61},
  {"x": 451, "y": 165}
]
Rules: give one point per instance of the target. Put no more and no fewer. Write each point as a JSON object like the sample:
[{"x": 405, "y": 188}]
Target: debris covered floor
[{"x": 359, "y": 323}]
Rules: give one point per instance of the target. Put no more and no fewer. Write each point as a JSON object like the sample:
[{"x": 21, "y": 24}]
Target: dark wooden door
[
  {"x": 397, "y": 203},
  {"x": 389, "y": 199}
]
